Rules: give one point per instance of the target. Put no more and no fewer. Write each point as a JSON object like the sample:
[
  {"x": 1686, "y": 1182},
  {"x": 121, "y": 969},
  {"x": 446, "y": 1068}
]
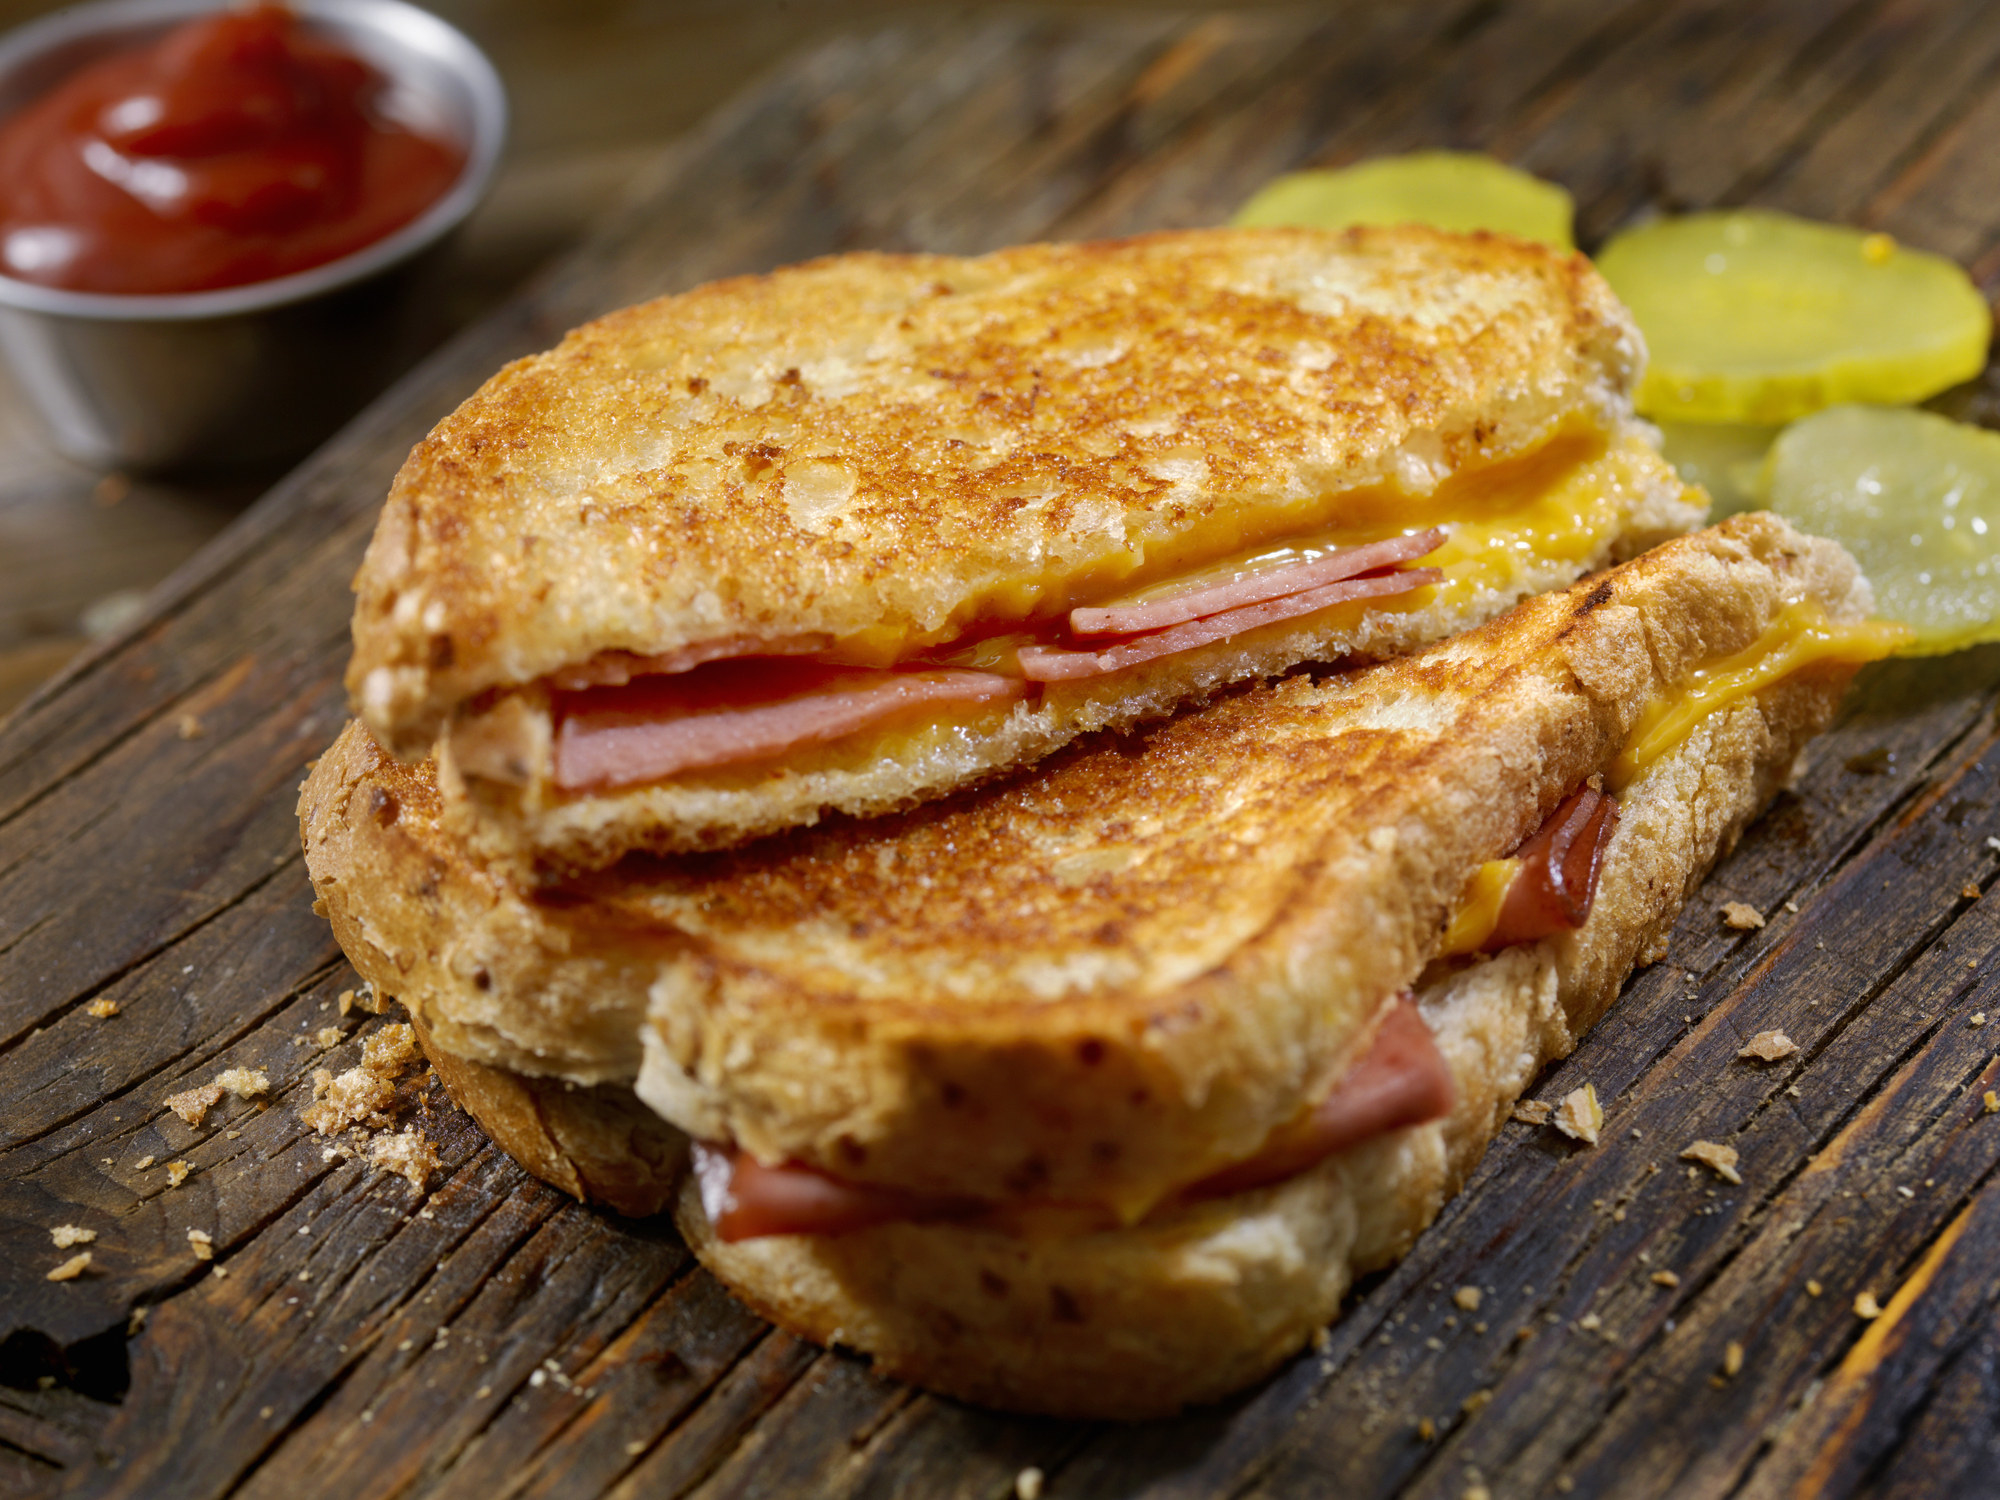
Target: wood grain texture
[{"x": 489, "y": 1338}]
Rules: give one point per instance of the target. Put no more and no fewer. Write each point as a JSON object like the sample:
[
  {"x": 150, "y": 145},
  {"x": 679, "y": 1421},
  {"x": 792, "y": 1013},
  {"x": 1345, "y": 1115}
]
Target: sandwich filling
[
  {"x": 1401, "y": 1080},
  {"x": 622, "y": 720}
]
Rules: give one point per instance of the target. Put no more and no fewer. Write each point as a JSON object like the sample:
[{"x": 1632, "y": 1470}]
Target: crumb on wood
[
  {"x": 1866, "y": 1307},
  {"x": 1533, "y": 1112},
  {"x": 1769, "y": 1046},
  {"x": 1978, "y": 1020},
  {"x": 409, "y": 1154},
  {"x": 1742, "y": 916},
  {"x": 362, "y": 1095},
  {"x": 1732, "y": 1359},
  {"x": 193, "y": 1105},
  {"x": 346, "y": 1001},
  {"x": 1969, "y": 892},
  {"x": 1427, "y": 1430},
  {"x": 1466, "y": 1298},
  {"x": 188, "y": 727},
  {"x": 1717, "y": 1158},
  {"x": 103, "y": 1009},
  {"x": 1992, "y": 1102},
  {"x": 136, "y": 1319},
  {"x": 1813, "y": 1288},
  {"x": 142, "y": 1163},
  {"x": 72, "y": 1268},
  {"x": 1666, "y": 1279},
  {"x": 66, "y": 1235},
  {"x": 1590, "y": 1322},
  {"x": 202, "y": 1244},
  {"x": 1476, "y": 1402},
  {"x": 1580, "y": 1116},
  {"x": 219, "y": 1272},
  {"x": 329, "y": 1036},
  {"x": 1028, "y": 1485},
  {"x": 177, "y": 1173}
]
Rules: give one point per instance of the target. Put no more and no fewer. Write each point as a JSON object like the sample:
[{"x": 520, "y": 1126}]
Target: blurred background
[{"x": 600, "y": 89}]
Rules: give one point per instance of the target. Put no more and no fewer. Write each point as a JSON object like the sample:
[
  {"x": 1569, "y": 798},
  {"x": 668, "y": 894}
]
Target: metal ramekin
[{"x": 255, "y": 373}]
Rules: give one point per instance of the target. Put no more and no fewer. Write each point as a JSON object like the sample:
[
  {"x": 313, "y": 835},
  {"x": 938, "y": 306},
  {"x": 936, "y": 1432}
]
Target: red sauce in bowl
[{"x": 237, "y": 148}]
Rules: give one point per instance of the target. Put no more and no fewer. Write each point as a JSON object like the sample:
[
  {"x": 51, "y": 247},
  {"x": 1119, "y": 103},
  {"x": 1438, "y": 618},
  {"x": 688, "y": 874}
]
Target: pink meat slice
[
  {"x": 728, "y": 713},
  {"x": 1349, "y": 562},
  {"x": 1059, "y": 664},
  {"x": 1403, "y": 1080}
]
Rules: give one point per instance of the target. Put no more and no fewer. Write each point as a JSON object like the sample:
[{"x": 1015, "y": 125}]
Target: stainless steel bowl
[{"x": 248, "y": 374}]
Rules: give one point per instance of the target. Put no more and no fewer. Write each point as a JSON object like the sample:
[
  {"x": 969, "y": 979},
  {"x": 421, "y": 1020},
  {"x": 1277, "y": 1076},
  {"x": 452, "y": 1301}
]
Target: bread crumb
[
  {"x": 219, "y": 1272},
  {"x": 177, "y": 1173},
  {"x": 103, "y": 1009},
  {"x": 634, "y": 1448},
  {"x": 1666, "y": 1279},
  {"x": 72, "y": 1268},
  {"x": 1028, "y": 1485},
  {"x": 1720, "y": 1159},
  {"x": 362, "y": 1095},
  {"x": 1866, "y": 1307},
  {"x": 1992, "y": 1102},
  {"x": 1580, "y": 1116},
  {"x": 193, "y": 1105},
  {"x": 1467, "y": 1298},
  {"x": 1476, "y": 1491},
  {"x": 1590, "y": 1322},
  {"x": 200, "y": 1242},
  {"x": 1564, "y": 1484},
  {"x": 66, "y": 1235},
  {"x": 409, "y": 1154},
  {"x": 188, "y": 727},
  {"x": 1476, "y": 1402},
  {"x": 1426, "y": 1430},
  {"x": 136, "y": 1320},
  {"x": 1742, "y": 916},
  {"x": 1769, "y": 1046},
  {"x": 1732, "y": 1359},
  {"x": 1813, "y": 1288},
  {"x": 346, "y": 1001},
  {"x": 1978, "y": 1019},
  {"x": 329, "y": 1036},
  {"x": 1969, "y": 891},
  {"x": 1533, "y": 1112}
]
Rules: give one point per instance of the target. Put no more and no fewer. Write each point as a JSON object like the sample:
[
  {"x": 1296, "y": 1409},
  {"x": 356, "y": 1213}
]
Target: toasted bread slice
[
  {"x": 878, "y": 460},
  {"x": 1101, "y": 983}
]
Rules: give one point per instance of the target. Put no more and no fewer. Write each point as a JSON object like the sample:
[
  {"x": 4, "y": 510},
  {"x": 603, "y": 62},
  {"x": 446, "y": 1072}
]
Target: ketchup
[{"x": 236, "y": 149}]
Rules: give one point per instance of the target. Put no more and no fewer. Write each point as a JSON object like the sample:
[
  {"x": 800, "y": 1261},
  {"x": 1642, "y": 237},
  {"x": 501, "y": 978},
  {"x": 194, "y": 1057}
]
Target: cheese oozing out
[
  {"x": 1476, "y": 535},
  {"x": 1798, "y": 636}
]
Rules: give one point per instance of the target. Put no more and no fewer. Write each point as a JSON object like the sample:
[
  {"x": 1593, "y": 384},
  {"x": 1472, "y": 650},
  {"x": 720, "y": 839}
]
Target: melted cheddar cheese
[
  {"x": 1797, "y": 637},
  {"x": 1479, "y": 912}
]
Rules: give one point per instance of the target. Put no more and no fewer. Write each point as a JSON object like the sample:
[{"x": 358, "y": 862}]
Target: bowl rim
[{"x": 394, "y": 19}]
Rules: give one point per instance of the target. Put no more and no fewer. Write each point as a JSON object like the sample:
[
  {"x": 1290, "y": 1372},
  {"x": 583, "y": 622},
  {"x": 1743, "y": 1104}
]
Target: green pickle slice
[
  {"x": 1916, "y": 498},
  {"x": 1724, "y": 458},
  {"x": 1456, "y": 190},
  {"x": 1759, "y": 317}
]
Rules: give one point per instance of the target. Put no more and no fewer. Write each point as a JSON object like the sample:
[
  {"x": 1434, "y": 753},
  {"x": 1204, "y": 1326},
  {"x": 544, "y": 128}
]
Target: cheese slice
[
  {"x": 1479, "y": 913},
  {"x": 1798, "y": 636}
]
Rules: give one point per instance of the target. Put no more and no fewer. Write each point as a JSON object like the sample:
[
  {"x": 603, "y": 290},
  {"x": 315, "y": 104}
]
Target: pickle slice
[
  {"x": 1724, "y": 458},
  {"x": 1916, "y": 498},
  {"x": 1755, "y": 316},
  {"x": 1456, "y": 190}
]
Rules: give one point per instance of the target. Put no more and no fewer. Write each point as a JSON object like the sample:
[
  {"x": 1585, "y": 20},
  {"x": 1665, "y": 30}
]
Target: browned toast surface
[{"x": 872, "y": 450}]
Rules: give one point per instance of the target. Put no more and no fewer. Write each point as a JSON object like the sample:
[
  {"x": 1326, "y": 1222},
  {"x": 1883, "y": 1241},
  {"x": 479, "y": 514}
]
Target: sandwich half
[
  {"x": 1090, "y": 1093},
  {"x": 856, "y": 533}
]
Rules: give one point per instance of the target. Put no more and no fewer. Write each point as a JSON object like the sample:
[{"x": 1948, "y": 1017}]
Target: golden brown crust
[
  {"x": 599, "y": 1145},
  {"x": 876, "y": 443}
]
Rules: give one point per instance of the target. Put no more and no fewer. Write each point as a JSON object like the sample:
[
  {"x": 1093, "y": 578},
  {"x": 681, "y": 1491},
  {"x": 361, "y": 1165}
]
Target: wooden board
[{"x": 490, "y": 1338}]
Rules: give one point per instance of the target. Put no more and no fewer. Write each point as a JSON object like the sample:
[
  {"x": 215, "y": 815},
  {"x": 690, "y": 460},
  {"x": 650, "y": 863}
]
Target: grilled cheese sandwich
[{"x": 847, "y": 536}]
